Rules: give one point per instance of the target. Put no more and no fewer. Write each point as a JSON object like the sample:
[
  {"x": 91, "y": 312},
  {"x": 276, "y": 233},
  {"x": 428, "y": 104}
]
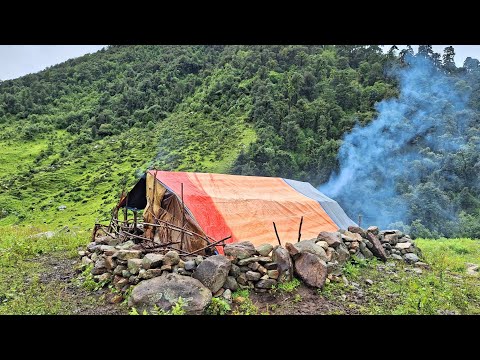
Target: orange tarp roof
[{"x": 246, "y": 206}]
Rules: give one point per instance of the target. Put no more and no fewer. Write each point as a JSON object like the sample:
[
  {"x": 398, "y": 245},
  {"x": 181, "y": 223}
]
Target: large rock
[
  {"x": 234, "y": 271},
  {"x": 472, "y": 269},
  {"x": 127, "y": 245},
  {"x": 350, "y": 236},
  {"x": 253, "y": 275},
  {"x": 164, "y": 292},
  {"x": 129, "y": 254},
  {"x": 265, "y": 284},
  {"x": 392, "y": 239},
  {"x": 273, "y": 274},
  {"x": 190, "y": 265},
  {"x": 246, "y": 261},
  {"x": 365, "y": 251},
  {"x": 171, "y": 258},
  {"x": 213, "y": 271},
  {"x": 240, "y": 250},
  {"x": 152, "y": 260},
  {"x": 311, "y": 247},
  {"x": 110, "y": 263},
  {"x": 333, "y": 239},
  {"x": 86, "y": 260},
  {"x": 404, "y": 245},
  {"x": 411, "y": 258},
  {"x": 283, "y": 260},
  {"x": 311, "y": 269},
  {"x": 396, "y": 257},
  {"x": 150, "y": 273},
  {"x": 100, "y": 267},
  {"x": 242, "y": 279},
  {"x": 373, "y": 230},
  {"x": 377, "y": 248},
  {"x": 231, "y": 283},
  {"x": 264, "y": 249},
  {"x": 323, "y": 244},
  {"x": 341, "y": 254},
  {"x": 134, "y": 265},
  {"x": 357, "y": 230}
]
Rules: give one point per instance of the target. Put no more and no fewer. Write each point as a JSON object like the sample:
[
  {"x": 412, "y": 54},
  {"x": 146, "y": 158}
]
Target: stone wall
[{"x": 161, "y": 278}]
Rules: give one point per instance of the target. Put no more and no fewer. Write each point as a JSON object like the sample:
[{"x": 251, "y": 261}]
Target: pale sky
[
  {"x": 19, "y": 60},
  {"x": 461, "y": 51}
]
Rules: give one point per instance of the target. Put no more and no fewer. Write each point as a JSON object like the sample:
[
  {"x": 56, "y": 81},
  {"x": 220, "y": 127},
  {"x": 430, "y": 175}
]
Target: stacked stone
[
  {"x": 251, "y": 268},
  {"x": 243, "y": 266},
  {"x": 395, "y": 244}
]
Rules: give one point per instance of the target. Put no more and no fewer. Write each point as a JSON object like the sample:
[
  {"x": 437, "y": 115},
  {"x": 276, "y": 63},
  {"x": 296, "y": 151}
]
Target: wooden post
[
  {"x": 135, "y": 214},
  {"x": 183, "y": 217},
  {"x": 125, "y": 212},
  {"x": 154, "y": 230},
  {"x": 276, "y": 233},
  {"x": 300, "y": 229},
  {"x": 359, "y": 220}
]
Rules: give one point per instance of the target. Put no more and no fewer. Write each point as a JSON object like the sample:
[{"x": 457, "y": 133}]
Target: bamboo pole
[
  {"x": 276, "y": 233},
  {"x": 183, "y": 217},
  {"x": 300, "y": 229},
  {"x": 125, "y": 212}
]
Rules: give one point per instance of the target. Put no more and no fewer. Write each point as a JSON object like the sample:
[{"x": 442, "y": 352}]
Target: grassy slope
[{"x": 88, "y": 178}]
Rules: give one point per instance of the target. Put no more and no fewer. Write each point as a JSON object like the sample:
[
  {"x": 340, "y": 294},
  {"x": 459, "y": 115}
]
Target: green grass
[
  {"x": 444, "y": 288},
  {"x": 450, "y": 254},
  {"x": 289, "y": 286},
  {"x": 21, "y": 291},
  {"x": 247, "y": 307}
]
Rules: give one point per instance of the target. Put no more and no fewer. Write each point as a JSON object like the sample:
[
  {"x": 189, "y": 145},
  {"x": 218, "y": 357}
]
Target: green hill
[{"x": 76, "y": 133}]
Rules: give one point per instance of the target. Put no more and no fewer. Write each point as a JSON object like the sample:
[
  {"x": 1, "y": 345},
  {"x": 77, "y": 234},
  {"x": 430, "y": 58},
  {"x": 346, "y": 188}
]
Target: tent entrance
[{"x": 167, "y": 223}]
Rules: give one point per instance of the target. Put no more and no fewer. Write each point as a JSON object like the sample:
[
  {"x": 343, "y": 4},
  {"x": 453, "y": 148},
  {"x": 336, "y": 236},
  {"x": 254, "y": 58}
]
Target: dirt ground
[
  {"x": 60, "y": 271},
  {"x": 303, "y": 301}
]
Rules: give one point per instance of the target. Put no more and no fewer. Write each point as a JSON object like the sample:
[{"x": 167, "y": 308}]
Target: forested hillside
[{"x": 78, "y": 132}]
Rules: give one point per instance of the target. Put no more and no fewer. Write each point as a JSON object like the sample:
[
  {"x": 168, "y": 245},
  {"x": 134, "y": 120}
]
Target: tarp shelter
[{"x": 243, "y": 207}]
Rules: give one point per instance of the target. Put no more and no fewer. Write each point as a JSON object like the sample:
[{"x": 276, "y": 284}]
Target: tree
[
  {"x": 425, "y": 51},
  {"x": 471, "y": 64},
  {"x": 449, "y": 59}
]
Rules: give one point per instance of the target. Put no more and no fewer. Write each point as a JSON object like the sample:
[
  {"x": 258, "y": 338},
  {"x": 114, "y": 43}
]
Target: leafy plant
[
  {"x": 218, "y": 306},
  {"x": 289, "y": 286}
]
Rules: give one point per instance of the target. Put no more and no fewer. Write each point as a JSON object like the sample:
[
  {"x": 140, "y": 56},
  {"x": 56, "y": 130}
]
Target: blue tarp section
[{"x": 330, "y": 206}]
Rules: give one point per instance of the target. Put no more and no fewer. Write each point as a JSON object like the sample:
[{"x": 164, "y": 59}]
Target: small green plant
[
  {"x": 177, "y": 309},
  {"x": 88, "y": 281},
  {"x": 297, "y": 298},
  {"x": 134, "y": 311},
  {"x": 246, "y": 307},
  {"x": 218, "y": 306},
  {"x": 289, "y": 286},
  {"x": 351, "y": 269}
]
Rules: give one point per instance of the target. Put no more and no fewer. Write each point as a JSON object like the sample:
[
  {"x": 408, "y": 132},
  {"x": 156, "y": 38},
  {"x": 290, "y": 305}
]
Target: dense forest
[{"x": 76, "y": 133}]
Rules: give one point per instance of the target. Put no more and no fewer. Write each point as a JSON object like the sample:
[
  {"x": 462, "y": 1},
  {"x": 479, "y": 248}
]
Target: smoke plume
[{"x": 391, "y": 169}]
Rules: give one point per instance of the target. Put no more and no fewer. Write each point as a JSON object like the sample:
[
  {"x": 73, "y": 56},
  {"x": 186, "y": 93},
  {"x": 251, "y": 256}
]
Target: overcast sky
[{"x": 18, "y": 60}]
